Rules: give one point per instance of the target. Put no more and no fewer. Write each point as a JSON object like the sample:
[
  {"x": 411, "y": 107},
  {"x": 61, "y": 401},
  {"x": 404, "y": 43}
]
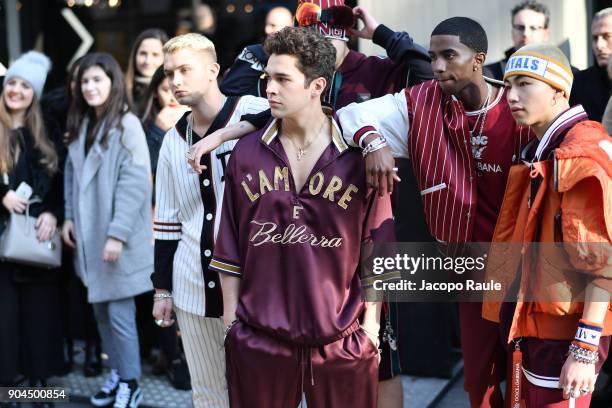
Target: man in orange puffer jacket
[{"x": 560, "y": 198}]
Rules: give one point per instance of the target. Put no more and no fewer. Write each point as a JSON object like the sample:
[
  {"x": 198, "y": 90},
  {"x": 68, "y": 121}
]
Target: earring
[
  {"x": 475, "y": 69},
  {"x": 554, "y": 102}
]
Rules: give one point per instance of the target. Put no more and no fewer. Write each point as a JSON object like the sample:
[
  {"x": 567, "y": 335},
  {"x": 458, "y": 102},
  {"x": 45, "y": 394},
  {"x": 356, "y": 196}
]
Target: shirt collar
[
  {"x": 565, "y": 121},
  {"x": 271, "y": 131},
  {"x": 181, "y": 125}
]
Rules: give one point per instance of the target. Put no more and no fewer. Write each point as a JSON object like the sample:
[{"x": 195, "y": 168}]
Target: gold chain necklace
[{"x": 301, "y": 151}]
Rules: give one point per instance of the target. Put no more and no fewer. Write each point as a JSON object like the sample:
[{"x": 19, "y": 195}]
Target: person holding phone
[
  {"x": 29, "y": 296},
  {"x": 107, "y": 195}
]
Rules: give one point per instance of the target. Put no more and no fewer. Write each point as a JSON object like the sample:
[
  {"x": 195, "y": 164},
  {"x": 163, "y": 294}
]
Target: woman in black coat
[{"x": 31, "y": 335}]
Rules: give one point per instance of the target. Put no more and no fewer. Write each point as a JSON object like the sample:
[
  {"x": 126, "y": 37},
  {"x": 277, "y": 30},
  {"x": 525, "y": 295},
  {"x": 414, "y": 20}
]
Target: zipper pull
[{"x": 517, "y": 373}]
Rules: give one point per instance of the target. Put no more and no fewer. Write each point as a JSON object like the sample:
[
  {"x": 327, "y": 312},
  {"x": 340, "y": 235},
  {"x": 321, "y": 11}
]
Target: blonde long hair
[{"x": 9, "y": 148}]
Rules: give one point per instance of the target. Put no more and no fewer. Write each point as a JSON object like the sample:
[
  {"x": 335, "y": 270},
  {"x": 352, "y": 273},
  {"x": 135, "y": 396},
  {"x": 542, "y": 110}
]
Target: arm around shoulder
[{"x": 387, "y": 116}]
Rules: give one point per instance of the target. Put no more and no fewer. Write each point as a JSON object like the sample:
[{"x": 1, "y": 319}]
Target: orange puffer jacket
[{"x": 573, "y": 204}]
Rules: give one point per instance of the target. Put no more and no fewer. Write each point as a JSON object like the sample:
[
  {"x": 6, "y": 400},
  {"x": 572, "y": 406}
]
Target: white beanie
[
  {"x": 32, "y": 67},
  {"x": 543, "y": 62}
]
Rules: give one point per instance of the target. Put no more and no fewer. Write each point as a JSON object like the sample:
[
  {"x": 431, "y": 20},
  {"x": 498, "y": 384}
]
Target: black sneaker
[
  {"x": 178, "y": 374},
  {"x": 107, "y": 392},
  {"x": 128, "y": 395}
]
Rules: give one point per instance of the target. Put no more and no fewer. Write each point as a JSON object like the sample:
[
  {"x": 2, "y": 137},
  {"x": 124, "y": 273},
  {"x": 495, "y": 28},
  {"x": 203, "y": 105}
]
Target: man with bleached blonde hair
[{"x": 186, "y": 208}]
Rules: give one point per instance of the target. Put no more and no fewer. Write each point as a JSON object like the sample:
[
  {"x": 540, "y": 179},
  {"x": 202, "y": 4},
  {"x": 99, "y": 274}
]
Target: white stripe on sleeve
[
  {"x": 166, "y": 223},
  {"x": 387, "y": 115}
]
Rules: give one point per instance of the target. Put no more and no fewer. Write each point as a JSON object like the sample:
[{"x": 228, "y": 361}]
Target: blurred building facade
[
  {"x": 570, "y": 22},
  {"x": 51, "y": 25}
]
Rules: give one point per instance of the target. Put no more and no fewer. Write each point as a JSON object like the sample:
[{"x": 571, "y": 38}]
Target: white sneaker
[
  {"x": 128, "y": 396},
  {"x": 107, "y": 392}
]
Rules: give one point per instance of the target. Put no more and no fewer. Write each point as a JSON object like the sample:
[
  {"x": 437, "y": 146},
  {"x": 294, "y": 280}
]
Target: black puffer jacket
[{"x": 592, "y": 88}]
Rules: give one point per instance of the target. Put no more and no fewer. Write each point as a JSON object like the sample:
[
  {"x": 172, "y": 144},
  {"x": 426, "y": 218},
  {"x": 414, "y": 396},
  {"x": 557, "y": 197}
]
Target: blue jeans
[{"x": 117, "y": 326}]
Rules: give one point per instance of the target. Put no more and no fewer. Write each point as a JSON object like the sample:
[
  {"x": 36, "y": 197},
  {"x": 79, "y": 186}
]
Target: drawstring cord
[
  {"x": 303, "y": 353},
  {"x": 301, "y": 358},
  {"x": 311, "y": 371}
]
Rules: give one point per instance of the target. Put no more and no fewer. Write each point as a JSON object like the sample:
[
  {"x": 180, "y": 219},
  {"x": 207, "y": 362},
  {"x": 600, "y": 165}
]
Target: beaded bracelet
[{"x": 583, "y": 355}]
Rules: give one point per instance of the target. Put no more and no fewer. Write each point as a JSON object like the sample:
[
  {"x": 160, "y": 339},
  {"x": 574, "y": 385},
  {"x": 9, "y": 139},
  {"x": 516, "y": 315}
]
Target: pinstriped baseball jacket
[
  {"x": 186, "y": 209},
  {"x": 461, "y": 159}
]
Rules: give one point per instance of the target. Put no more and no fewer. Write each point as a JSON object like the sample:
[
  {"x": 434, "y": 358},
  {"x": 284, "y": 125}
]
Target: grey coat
[{"x": 108, "y": 194}]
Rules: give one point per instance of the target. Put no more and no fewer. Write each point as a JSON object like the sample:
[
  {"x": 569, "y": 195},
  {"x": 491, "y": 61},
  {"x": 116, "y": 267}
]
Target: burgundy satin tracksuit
[{"x": 297, "y": 254}]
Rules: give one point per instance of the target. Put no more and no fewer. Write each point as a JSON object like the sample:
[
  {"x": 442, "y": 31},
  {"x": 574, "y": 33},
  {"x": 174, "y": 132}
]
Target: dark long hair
[
  {"x": 73, "y": 72},
  {"x": 151, "y": 105},
  {"x": 131, "y": 73},
  {"x": 115, "y": 106}
]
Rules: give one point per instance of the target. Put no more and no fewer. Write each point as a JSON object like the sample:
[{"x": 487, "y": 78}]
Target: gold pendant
[{"x": 300, "y": 153}]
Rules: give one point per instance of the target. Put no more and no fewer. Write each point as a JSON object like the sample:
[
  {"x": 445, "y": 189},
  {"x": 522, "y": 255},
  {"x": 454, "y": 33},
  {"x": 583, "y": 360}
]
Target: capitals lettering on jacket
[{"x": 332, "y": 189}]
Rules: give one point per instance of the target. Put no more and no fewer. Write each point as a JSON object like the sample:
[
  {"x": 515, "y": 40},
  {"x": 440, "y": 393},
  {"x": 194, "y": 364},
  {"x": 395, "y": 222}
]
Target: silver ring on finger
[
  {"x": 160, "y": 322},
  {"x": 575, "y": 393},
  {"x": 584, "y": 391}
]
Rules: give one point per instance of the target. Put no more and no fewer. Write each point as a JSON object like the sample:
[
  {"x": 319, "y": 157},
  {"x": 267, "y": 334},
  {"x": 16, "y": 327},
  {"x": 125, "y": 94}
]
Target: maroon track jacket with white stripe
[
  {"x": 298, "y": 252},
  {"x": 461, "y": 170}
]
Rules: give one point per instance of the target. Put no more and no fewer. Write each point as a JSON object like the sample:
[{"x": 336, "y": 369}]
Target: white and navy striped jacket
[{"x": 186, "y": 220}]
